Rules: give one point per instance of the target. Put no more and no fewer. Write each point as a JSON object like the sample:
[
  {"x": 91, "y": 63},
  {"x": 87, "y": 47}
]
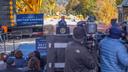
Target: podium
[{"x": 62, "y": 30}]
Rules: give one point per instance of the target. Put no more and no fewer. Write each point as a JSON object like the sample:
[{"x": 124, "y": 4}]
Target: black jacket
[{"x": 78, "y": 59}]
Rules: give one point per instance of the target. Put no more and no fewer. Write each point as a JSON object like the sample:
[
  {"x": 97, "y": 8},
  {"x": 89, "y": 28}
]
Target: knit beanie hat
[
  {"x": 115, "y": 32},
  {"x": 78, "y": 32}
]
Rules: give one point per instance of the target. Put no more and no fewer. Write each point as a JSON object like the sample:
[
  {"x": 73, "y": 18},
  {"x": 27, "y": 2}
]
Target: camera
[{"x": 91, "y": 28}]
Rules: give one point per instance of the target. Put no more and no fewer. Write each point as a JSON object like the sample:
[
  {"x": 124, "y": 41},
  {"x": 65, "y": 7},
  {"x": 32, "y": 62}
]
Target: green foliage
[
  {"x": 87, "y": 6},
  {"x": 71, "y": 6},
  {"x": 118, "y": 2},
  {"x": 48, "y": 7},
  {"x": 84, "y": 7}
]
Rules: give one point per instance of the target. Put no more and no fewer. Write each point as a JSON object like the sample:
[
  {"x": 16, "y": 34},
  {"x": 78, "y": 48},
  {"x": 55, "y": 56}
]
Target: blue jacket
[
  {"x": 20, "y": 63},
  {"x": 113, "y": 55}
]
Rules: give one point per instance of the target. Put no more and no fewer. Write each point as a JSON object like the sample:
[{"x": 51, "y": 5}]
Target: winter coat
[
  {"x": 78, "y": 59},
  {"x": 113, "y": 55}
]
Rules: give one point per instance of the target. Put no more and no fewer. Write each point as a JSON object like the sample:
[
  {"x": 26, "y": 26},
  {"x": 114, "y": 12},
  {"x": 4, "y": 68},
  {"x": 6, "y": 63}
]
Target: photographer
[{"x": 90, "y": 40}]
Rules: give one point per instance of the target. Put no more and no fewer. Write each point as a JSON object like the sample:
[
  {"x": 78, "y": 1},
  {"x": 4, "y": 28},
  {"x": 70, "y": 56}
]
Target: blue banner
[
  {"x": 29, "y": 19},
  {"x": 41, "y": 44}
]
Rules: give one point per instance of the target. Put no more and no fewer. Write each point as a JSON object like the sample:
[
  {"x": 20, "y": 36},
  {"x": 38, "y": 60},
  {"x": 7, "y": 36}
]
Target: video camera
[
  {"x": 91, "y": 28},
  {"x": 91, "y": 41}
]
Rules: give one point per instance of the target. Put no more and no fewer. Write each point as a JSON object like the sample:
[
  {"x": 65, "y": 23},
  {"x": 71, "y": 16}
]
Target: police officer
[{"x": 77, "y": 57}]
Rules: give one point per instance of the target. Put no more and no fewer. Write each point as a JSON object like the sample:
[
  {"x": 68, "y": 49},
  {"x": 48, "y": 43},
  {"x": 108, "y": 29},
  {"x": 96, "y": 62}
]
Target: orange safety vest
[{"x": 5, "y": 29}]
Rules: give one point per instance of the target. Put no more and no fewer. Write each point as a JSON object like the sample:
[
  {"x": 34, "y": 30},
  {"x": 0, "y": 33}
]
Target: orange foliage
[{"x": 106, "y": 10}]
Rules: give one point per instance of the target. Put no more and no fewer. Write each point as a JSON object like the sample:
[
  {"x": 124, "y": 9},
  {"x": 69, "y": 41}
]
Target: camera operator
[
  {"x": 78, "y": 58},
  {"x": 90, "y": 40}
]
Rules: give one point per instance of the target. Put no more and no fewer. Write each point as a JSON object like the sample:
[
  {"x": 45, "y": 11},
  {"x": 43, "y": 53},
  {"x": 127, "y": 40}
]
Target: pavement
[{"x": 11, "y": 45}]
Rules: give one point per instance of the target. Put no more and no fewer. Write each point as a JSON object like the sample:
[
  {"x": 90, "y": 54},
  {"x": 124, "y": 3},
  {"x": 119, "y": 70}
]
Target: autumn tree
[
  {"x": 88, "y": 7},
  {"x": 118, "y": 2},
  {"x": 49, "y": 6},
  {"x": 106, "y": 10},
  {"x": 84, "y": 7},
  {"x": 71, "y": 5},
  {"x": 28, "y": 6}
]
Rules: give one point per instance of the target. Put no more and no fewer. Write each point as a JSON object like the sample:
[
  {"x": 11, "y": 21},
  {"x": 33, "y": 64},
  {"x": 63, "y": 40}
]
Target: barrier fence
[{"x": 8, "y": 40}]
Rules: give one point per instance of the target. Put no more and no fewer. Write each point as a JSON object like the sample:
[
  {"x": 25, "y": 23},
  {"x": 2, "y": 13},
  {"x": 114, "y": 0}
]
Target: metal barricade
[
  {"x": 3, "y": 38},
  {"x": 7, "y": 42}
]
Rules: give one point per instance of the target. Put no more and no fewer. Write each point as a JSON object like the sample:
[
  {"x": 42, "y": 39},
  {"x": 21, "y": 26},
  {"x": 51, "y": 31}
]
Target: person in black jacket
[
  {"x": 62, "y": 22},
  {"x": 77, "y": 57}
]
